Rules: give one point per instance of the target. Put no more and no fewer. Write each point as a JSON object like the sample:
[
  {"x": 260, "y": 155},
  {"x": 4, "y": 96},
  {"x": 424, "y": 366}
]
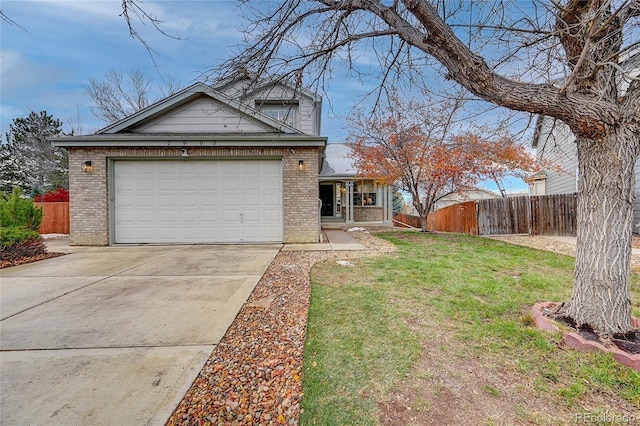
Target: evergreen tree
[
  {"x": 46, "y": 166},
  {"x": 398, "y": 200},
  {"x": 12, "y": 173}
]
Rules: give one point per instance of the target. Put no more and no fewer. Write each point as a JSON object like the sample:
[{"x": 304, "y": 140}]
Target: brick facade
[
  {"x": 368, "y": 214},
  {"x": 89, "y": 192}
]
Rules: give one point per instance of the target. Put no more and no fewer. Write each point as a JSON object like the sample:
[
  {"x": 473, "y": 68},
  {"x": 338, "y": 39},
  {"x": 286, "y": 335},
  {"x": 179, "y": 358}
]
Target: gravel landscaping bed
[
  {"x": 560, "y": 247},
  {"x": 254, "y": 375}
]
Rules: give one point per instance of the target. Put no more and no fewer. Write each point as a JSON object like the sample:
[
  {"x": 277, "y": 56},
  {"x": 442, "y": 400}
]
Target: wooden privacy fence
[
  {"x": 55, "y": 219},
  {"x": 503, "y": 216},
  {"x": 401, "y": 220},
  {"x": 554, "y": 214},
  {"x": 539, "y": 215},
  {"x": 459, "y": 218}
]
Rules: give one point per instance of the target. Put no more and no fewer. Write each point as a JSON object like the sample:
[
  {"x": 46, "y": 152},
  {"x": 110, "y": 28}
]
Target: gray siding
[
  {"x": 306, "y": 115},
  {"x": 203, "y": 115},
  {"x": 556, "y": 144},
  {"x": 306, "y": 112}
]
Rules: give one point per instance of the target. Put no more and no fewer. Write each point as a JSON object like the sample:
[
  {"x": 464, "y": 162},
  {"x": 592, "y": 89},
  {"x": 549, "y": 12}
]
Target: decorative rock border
[{"x": 576, "y": 341}]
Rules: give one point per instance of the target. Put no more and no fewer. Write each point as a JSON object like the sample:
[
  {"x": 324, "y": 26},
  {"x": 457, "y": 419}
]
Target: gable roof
[
  {"x": 259, "y": 84},
  {"x": 185, "y": 96}
]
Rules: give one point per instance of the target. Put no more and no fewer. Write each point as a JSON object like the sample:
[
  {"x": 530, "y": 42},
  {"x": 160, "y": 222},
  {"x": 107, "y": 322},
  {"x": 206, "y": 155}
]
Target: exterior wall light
[
  {"x": 300, "y": 165},
  {"x": 87, "y": 167}
]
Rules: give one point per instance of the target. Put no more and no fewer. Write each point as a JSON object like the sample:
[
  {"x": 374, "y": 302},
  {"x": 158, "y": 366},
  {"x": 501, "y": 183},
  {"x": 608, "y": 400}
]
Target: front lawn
[{"x": 439, "y": 333}]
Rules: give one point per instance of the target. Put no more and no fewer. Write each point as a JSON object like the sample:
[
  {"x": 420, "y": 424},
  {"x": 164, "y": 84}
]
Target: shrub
[
  {"x": 19, "y": 243},
  {"x": 13, "y": 234},
  {"x": 55, "y": 196},
  {"x": 19, "y": 212}
]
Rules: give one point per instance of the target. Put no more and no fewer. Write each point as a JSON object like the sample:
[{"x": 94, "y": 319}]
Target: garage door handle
[{"x": 241, "y": 217}]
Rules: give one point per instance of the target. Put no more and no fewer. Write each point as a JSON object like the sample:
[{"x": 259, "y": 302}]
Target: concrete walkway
[
  {"x": 116, "y": 335},
  {"x": 337, "y": 240}
]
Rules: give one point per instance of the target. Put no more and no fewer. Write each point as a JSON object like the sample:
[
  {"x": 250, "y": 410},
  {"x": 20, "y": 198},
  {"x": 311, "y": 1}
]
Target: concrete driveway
[{"x": 116, "y": 335}]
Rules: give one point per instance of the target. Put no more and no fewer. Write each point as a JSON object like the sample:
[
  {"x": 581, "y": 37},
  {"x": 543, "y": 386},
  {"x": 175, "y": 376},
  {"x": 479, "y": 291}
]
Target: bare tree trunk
[
  {"x": 601, "y": 296},
  {"x": 423, "y": 222}
]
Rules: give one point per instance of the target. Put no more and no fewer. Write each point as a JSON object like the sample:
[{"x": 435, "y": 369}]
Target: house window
[
  {"x": 365, "y": 195},
  {"x": 284, "y": 111},
  {"x": 365, "y": 198}
]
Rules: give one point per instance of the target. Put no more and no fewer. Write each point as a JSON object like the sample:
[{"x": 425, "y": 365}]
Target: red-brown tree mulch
[
  {"x": 5, "y": 263},
  {"x": 254, "y": 375}
]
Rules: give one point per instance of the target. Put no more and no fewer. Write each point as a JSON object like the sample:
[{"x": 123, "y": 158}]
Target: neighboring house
[
  {"x": 457, "y": 197},
  {"x": 555, "y": 143},
  {"x": 232, "y": 163},
  {"x": 347, "y": 198}
]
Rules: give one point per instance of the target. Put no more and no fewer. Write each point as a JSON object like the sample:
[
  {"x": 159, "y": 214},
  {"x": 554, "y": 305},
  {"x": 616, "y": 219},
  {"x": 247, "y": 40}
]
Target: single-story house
[{"x": 237, "y": 162}]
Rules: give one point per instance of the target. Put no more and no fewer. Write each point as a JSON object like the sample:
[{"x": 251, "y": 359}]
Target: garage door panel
[
  {"x": 147, "y": 233},
  {"x": 252, "y": 168},
  {"x": 189, "y": 234},
  {"x": 272, "y": 233},
  {"x": 250, "y": 216},
  {"x": 251, "y": 200},
  {"x": 209, "y": 184},
  {"x": 230, "y": 234},
  {"x": 188, "y": 200},
  {"x": 190, "y": 184},
  {"x": 231, "y": 217},
  {"x": 145, "y": 200},
  {"x": 150, "y": 216},
  {"x": 209, "y": 202},
  {"x": 146, "y": 185},
  {"x": 272, "y": 185},
  {"x": 249, "y": 184},
  {"x": 166, "y": 201},
  {"x": 230, "y": 184},
  {"x": 272, "y": 216},
  {"x": 198, "y": 201},
  {"x": 230, "y": 167},
  {"x": 231, "y": 200},
  {"x": 252, "y": 232},
  {"x": 272, "y": 203},
  {"x": 126, "y": 200}
]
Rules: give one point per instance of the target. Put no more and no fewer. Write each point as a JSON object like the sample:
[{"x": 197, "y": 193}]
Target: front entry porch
[{"x": 348, "y": 201}]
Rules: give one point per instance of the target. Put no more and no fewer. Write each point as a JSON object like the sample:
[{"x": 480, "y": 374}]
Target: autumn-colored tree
[{"x": 413, "y": 146}]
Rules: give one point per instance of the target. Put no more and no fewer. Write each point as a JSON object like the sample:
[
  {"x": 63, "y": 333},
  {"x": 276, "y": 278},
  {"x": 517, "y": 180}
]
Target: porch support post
[
  {"x": 349, "y": 201},
  {"x": 388, "y": 206}
]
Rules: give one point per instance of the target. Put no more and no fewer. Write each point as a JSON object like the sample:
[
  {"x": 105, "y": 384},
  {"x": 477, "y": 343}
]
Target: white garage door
[{"x": 198, "y": 201}]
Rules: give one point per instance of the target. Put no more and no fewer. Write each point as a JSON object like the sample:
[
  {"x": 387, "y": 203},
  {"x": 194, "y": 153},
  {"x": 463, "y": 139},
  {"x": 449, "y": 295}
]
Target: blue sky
[{"x": 68, "y": 42}]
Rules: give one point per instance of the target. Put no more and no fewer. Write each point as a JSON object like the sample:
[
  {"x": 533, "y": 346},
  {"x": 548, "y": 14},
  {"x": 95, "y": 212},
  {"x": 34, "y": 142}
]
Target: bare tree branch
[
  {"x": 133, "y": 8},
  {"x": 118, "y": 94},
  {"x": 10, "y": 21}
]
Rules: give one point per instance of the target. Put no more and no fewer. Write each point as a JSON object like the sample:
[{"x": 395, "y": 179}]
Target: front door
[{"x": 326, "y": 196}]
